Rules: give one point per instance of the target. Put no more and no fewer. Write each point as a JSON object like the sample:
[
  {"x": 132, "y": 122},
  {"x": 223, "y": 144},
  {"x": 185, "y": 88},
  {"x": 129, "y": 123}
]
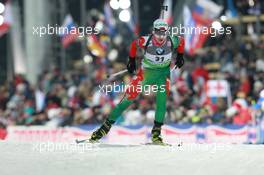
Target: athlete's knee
[{"x": 134, "y": 88}]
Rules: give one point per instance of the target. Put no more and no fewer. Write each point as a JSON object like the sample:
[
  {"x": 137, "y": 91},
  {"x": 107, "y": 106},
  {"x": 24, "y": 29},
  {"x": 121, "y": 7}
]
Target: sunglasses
[{"x": 160, "y": 32}]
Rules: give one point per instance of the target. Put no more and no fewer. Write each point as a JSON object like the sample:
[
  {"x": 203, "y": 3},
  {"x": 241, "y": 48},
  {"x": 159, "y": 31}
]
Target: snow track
[{"x": 86, "y": 159}]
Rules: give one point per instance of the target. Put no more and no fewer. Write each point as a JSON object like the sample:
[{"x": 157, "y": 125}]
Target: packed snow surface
[{"x": 85, "y": 159}]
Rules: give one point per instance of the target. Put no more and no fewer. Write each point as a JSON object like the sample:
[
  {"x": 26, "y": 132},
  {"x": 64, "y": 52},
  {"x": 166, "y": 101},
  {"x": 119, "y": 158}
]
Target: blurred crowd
[{"x": 74, "y": 97}]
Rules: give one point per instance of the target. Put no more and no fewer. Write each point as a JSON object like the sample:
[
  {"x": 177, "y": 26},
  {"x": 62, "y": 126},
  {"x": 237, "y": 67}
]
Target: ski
[
  {"x": 162, "y": 144},
  {"x": 157, "y": 144},
  {"x": 82, "y": 141}
]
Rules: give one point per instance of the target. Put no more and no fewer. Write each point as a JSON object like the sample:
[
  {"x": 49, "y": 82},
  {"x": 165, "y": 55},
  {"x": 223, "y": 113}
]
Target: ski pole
[
  {"x": 174, "y": 67},
  {"x": 116, "y": 74},
  {"x": 125, "y": 70}
]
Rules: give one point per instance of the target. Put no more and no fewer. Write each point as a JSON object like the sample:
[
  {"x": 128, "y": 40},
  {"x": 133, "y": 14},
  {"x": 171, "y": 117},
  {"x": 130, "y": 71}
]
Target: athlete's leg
[
  {"x": 160, "y": 112},
  {"x": 130, "y": 95},
  {"x": 119, "y": 109},
  {"x": 161, "y": 98}
]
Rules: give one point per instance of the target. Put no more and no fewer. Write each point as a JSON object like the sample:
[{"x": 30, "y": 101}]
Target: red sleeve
[
  {"x": 133, "y": 49},
  {"x": 133, "y": 46},
  {"x": 180, "y": 48}
]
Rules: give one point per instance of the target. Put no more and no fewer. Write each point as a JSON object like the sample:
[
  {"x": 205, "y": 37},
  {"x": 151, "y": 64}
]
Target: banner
[{"x": 138, "y": 134}]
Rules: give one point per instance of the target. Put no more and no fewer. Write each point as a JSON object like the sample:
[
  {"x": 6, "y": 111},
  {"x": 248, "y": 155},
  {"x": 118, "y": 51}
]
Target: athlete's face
[{"x": 160, "y": 36}]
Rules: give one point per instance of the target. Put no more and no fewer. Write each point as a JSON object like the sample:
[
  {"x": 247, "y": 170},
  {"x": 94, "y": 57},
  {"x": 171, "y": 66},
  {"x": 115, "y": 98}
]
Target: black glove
[
  {"x": 131, "y": 65},
  {"x": 179, "y": 60}
]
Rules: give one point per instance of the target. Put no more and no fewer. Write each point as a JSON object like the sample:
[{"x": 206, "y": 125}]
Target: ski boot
[
  {"x": 102, "y": 131},
  {"x": 156, "y": 135}
]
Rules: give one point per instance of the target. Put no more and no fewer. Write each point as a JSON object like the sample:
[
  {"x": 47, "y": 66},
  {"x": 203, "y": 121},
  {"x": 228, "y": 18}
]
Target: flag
[
  {"x": 188, "y": 23},
  {"x": 200, "y": 17},
  {"x": 133, "y": 24},
  {"x": 70, "y": 32},
  {"x": 95, "y": 46},
  {"x": 207, "y": 9},
  {"x": 218, "y": 88},
  {"x": 109, "y": 20},
  {"x": 4, "y": 28},
  {"x": 231, "y": 11}
]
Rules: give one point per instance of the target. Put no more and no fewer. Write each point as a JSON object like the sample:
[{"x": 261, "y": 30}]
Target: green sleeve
[{"x": 175, "y": 41}]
